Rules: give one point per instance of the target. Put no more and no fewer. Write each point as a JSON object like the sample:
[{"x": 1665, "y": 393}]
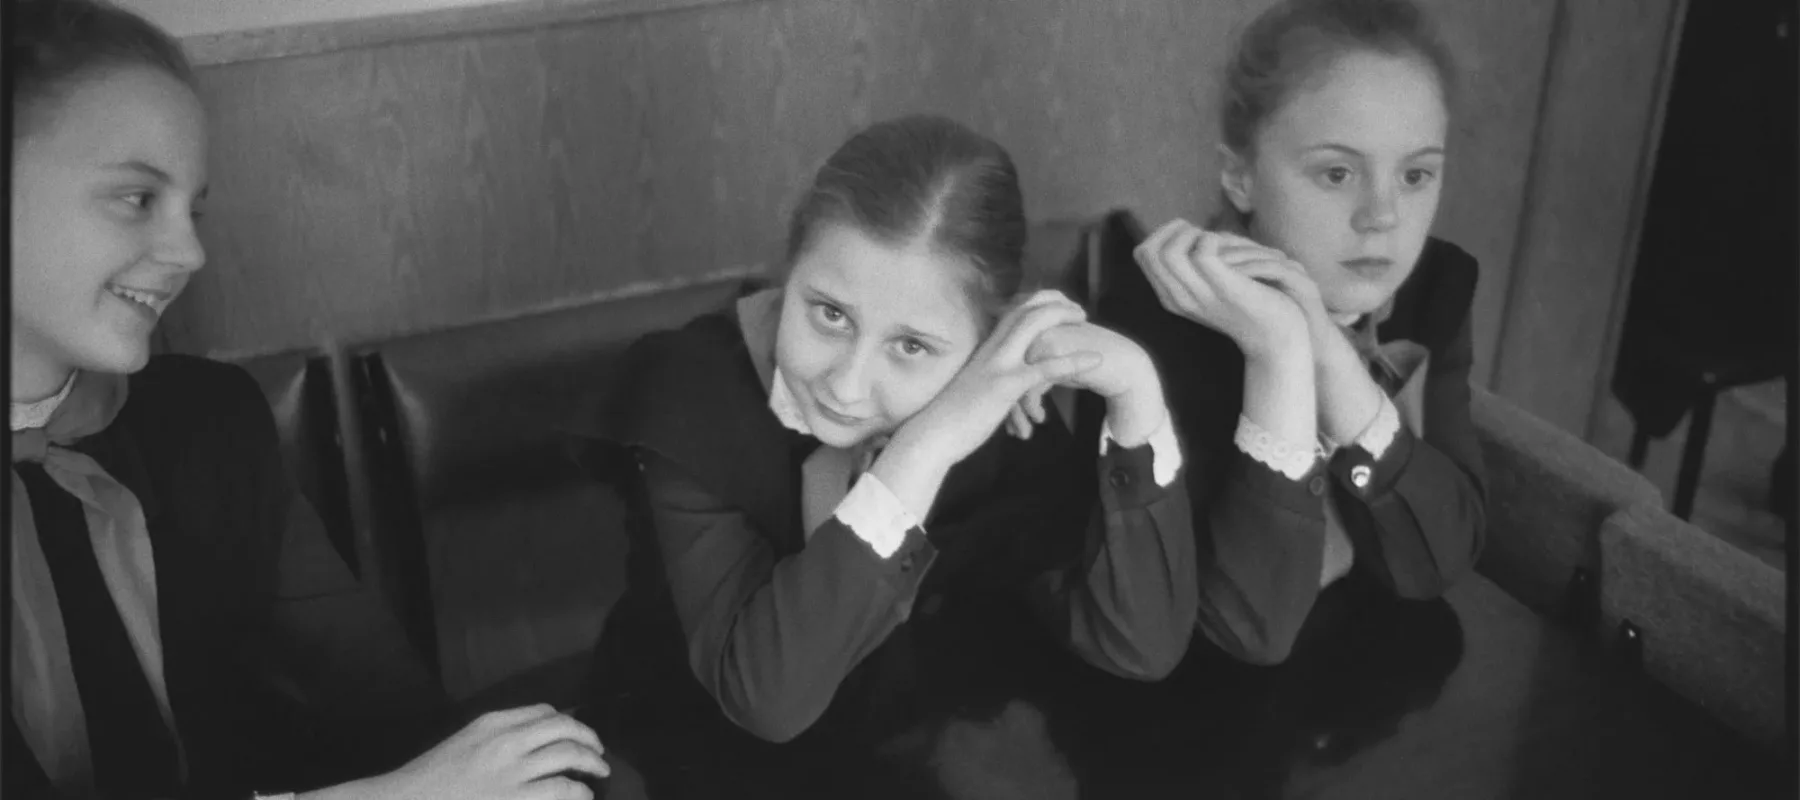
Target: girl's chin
[
  {"x": 834, "y": 435},
  {"x": 1354, "y": 305},
  {"x": 123, "y": 357}
]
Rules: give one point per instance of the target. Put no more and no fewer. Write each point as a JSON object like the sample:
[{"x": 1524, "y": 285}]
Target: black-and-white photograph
[{"x": 901, "y": 399}]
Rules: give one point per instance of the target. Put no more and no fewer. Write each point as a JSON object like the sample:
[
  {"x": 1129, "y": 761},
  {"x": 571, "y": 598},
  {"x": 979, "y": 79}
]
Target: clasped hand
[
  {"x": 1043, "y": 342},
  {"x": 1256, "y": 295}
]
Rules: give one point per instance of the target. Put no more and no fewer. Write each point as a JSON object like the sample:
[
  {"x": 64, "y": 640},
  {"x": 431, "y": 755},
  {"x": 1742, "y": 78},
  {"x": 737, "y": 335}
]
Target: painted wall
[{"x": 202, "y": 17}]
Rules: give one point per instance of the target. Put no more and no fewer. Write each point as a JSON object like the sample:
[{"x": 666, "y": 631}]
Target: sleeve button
[
  {"x": 906, "y": 564},
  {"x": 1119, "y": 478},
  {"x": 1359, "y": 476},
  {"x": 1316, "y": 485}
]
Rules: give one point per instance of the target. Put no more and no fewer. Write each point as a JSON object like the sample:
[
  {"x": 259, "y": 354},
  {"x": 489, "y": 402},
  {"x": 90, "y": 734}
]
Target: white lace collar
[{"x": 26, "y": 416}]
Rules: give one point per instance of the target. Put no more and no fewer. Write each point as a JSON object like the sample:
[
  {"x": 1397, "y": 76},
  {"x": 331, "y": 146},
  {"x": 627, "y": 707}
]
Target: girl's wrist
[
  {"x": 1133, "y": 417},
  {"x": 914, "y": 446},
  {"x": 913, "y": 468},
  {"x": 1347, "y": 402},
  {"x": 1281, "y": 356}
]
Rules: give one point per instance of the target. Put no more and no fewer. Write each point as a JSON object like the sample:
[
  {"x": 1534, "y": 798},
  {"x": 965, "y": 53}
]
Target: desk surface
[{"x": 1468, "y": 697}]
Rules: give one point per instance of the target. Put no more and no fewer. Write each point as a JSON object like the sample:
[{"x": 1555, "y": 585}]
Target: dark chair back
[
  {"x": 508, "y": 557},
  {"x": 302, "y": 396}
]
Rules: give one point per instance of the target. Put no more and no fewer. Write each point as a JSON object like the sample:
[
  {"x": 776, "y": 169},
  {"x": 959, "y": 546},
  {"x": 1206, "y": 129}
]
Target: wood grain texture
[
  {"x": 370, "y": 193},
  {"x": 1587, "y": 175},
  {"x": 283, "y": 41},
  {"x": 374, "y": 192}
]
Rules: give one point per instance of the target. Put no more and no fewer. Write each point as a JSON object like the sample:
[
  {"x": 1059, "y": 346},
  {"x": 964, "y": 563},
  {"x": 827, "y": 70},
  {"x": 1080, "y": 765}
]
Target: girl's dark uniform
[
  {"x": 953, "y": 623},
  {"x": 283, "y": 672},
  {"x": 1417, "y": 521}
]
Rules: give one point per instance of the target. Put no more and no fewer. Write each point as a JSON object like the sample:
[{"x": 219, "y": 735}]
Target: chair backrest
[
  {"x": 302, "y": 395},
  {"x": 1056, "y": 258},
  {"x": 1709, "y": 616},
  {"x": 508, "y": 556}
]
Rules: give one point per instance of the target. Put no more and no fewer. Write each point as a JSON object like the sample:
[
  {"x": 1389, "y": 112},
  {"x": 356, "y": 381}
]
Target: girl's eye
[
  {"x": 139, "y": 200},
  {"x": 1336, "y": 176},
  {"x": 1419, "y": 177},
  {"x": 913, "y": 347},
  {"x": 831, "y": 315}
]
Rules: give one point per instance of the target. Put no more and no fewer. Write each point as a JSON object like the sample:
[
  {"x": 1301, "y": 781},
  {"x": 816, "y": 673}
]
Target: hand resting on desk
[{"x": 525, "y": 753}]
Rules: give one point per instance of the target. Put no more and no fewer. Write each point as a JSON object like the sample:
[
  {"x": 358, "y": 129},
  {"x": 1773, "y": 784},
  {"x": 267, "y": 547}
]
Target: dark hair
[
  {"x": 53, "y": 44},
  {"x": 924, "y": 178},
  {"x": 1289, "y": 44}
]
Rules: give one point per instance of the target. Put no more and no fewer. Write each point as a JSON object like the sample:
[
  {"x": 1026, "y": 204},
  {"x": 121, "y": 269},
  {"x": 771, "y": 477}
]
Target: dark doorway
[{"x": 1713, "y": 297}]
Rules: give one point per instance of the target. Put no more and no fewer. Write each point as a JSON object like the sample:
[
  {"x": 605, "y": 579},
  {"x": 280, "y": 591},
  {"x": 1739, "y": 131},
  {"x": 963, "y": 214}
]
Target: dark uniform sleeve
[
  {"x": 1129, "y": 606},
  {"x": 1261, "y": 547},
  {"x": 772, "y": 637}
]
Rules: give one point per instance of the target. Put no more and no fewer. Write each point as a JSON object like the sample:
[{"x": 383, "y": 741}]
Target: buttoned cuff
[
  {"x": 875, "y": 515},
  {"x": 1292, "y": 459},
  {"x": 1165, "y": 449}
]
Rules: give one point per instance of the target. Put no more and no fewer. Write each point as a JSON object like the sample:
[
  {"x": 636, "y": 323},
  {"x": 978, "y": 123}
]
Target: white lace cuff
[
  {"x": 875, "y": 515},
  {"x": 1380, "y": 433},
  {"x": 1288, "y": 458},
  {"x": 1165, "y": 449}
]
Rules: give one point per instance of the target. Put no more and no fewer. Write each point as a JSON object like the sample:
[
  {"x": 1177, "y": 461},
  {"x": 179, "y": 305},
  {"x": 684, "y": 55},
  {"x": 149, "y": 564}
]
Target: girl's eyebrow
[
  {"x": 909, "y": 330},
  {"x": 142, "y": 169},
  {"x": 1429, "y": 150},
  {"x": 145, "y": 170},
  {"x": 905, "y": 330},
  {"x": 821, "y": 294}
]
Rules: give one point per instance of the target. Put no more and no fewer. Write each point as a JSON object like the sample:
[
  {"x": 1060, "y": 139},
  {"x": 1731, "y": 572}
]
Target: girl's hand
[
  {"x": 1348, "y": 398},
  {"x": 991, "y": 385},
  {"x": 1201, "y": 276},
  {"x": 1124, "y": 366},
  {"x": 1273, "y": 268},
  {"x": 1126, "y": 377},
  {"x": 520, "y": 754}
]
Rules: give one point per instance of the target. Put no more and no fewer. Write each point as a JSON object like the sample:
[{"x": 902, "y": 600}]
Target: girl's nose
[
  {"x": 847, "y": 382},
  {"x": 1379, "y": 211},
  {"x": 179, "y": 246}
]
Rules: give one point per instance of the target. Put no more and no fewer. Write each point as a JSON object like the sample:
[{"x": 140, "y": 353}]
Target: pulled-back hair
[
  {"x": 1294, "y": 42},
  {"x": 924, "y": 179},
  {"x": 53, "y": 45}
]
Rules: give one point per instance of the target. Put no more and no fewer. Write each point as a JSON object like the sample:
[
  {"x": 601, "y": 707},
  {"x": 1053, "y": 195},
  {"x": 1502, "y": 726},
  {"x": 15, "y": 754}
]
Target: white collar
[
  {"x": 26, "y": 416},
  {"x": 786, "y": 409},
  {"x": 759, "y": 319}
]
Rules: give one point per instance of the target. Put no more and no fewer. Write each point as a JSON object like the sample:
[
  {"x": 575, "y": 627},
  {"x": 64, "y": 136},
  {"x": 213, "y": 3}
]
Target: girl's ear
[{"x": 1235, "y": 178}]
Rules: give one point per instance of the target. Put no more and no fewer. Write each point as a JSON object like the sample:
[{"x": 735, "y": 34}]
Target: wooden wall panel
[{"x": 366, "y": 193}]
